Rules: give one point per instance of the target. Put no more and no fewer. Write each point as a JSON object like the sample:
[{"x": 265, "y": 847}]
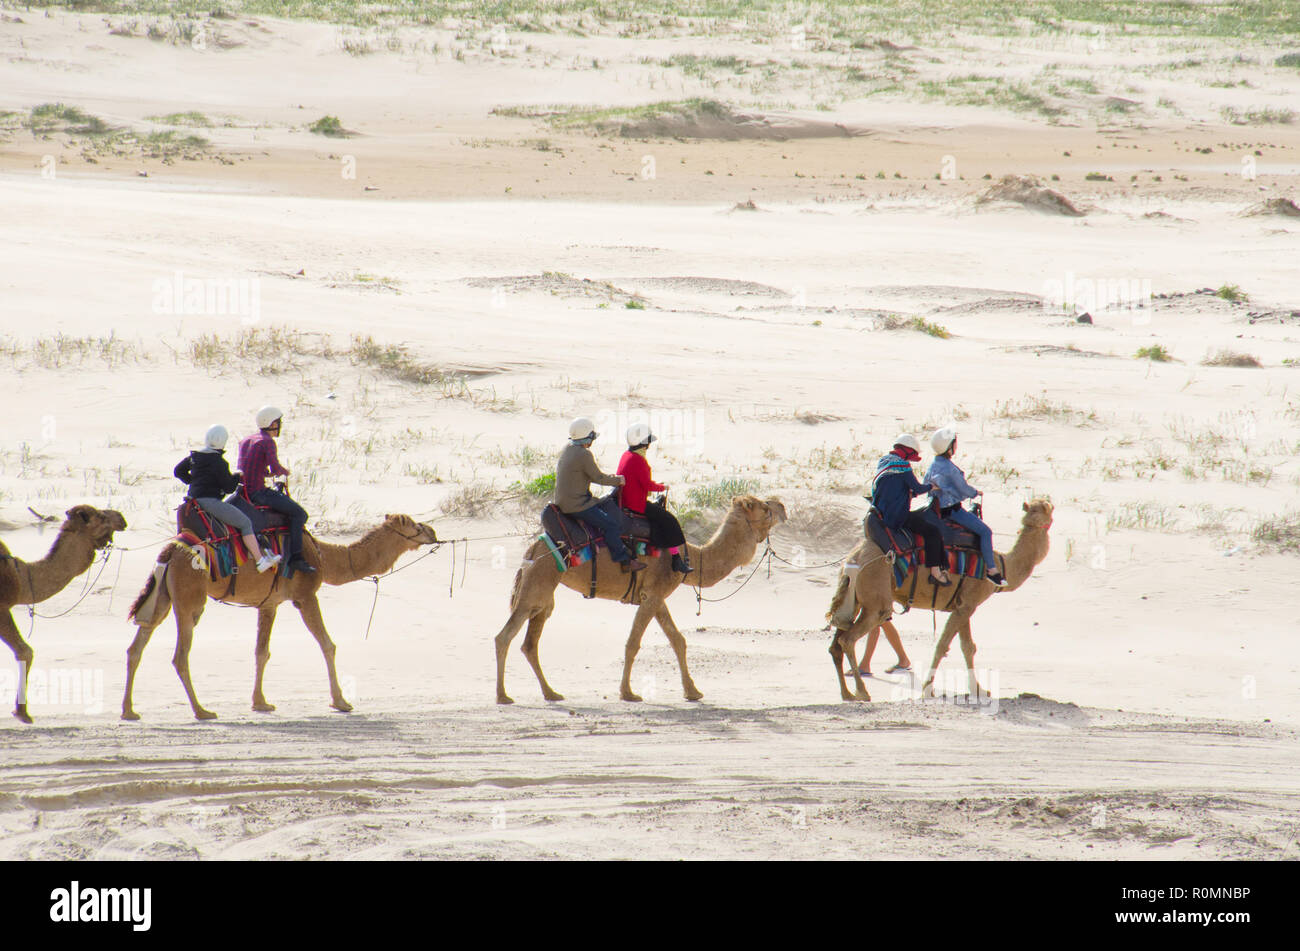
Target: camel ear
[
  {"x": 746, "y": 502},
  {"x": 1024, "y": 506},
  {"x": 82, "y": 510}
]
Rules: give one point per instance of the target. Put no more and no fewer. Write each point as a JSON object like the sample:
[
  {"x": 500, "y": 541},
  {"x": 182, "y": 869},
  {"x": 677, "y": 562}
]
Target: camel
[
  {"x": 85, "y": 531},
  {"x": 180, "y": 580},
  {"x": 874, "y": 596},
  {"x": 533, "y": 597}
]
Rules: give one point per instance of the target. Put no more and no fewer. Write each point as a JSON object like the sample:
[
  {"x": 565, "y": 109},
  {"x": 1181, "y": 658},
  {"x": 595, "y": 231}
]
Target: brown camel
[
  {"x": 180, "y": 581},
  {"x": 874, "y": 596},
  {"x": 533, "y": 598},
  {"x": 85, "y": 531}
]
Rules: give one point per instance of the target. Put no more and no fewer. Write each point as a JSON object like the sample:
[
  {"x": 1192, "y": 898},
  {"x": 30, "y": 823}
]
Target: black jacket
[{"x": 207, "y": 474}]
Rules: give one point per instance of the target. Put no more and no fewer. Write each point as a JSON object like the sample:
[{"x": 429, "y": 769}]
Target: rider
[
  {"x": 953, "y": 490},
  {"x": 208, "y": 475},
  {"x": 665, "y": 530},
  {"x": 258, "y": 459},
  {"x": 892, "y": 490},
  {"x": 574, "y": 473}
]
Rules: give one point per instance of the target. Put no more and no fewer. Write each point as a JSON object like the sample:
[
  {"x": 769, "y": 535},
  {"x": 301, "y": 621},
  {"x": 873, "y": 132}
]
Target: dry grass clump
[
  {"x": 919, "y": 324},
  {"x": 1280, "y": 532},
  {"x": 1027, "y": 192},
  {"x": 470, "y": 500},
  {"x": 1230, "y": 358},
  {"x": 1040, "y": 407},
  {"x": 59, "y": 350}
]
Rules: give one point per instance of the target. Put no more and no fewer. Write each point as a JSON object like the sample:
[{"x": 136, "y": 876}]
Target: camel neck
[
  {"x": 69, "y": 556},
  {"x": 373, "y": 554},
  {"x": 1028, "y": 552},
  {"x": 732, "y": 545}
]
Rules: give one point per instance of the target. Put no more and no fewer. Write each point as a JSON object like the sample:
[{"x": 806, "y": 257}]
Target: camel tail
[
  {"x": 147, "y": 600},
  {"x": 514, "y": 590},
  {"x": 844, "y": 608}
]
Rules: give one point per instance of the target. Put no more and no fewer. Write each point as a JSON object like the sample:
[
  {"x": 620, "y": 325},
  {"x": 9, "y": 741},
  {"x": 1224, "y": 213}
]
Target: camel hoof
[
  {"x": 631, "y": 697},
  {"x": 130, "y": 715},
  {"x": 204, "y": 715},
  {"x": 503, "y": 699},
  {"x": 341, "y": 706},
  {"x": 693, "y": 695},
  {"x": 263, "y": 707},
  {"x": 22, "y": 714},
  {"x": 553, "y": 696}
]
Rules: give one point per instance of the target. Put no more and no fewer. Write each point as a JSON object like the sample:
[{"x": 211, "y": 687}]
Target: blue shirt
[{"x": 953, "y": 487}]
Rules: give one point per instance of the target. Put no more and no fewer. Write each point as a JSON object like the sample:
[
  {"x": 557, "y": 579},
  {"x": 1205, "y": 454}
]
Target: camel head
[
  {"x": 417, "y": 533},
  {"x": 96, "y": 524},
  {"x": 1038, "y": 514},
  {"x": 762, "y": 516}
]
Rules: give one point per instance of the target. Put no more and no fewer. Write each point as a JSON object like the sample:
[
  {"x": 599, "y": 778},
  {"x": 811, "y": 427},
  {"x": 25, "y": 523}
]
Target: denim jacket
[{"x": 953, "y": 487}]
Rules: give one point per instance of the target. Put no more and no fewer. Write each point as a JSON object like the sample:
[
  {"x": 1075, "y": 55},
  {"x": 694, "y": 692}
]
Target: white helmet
[
  {"x": 639, "y": 434},
  {"x": 582, "y": 428},
  {"x": 908, "y": 440},
  {"x": 215, "y": 438},
  {"x": 942, "y": 440},
  {"x": 267, "y": 415}
]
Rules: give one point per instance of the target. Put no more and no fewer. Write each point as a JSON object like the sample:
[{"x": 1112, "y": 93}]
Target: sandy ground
[{"x": 1144, "y": 677}]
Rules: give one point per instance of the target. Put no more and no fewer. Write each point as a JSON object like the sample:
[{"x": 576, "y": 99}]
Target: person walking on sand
[
  {"x": 901, "y": 665},
  {"x": 574, "y": 474},
  {"x": 258, "y": 459},
  {"x": 892, "y": 490},
  {"x": 953, "y": 491},
  {"x": 665, "y": 530},
  {"x": 209, "y": 478}
]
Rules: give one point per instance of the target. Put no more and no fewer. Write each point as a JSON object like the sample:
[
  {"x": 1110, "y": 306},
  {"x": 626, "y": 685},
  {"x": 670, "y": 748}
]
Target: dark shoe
[
  {"x": 299, "y": 563},
  {"x": 681, "y": 564},
  {"x": 631, "y": 565},
  {"x": 996, "y": 578}
]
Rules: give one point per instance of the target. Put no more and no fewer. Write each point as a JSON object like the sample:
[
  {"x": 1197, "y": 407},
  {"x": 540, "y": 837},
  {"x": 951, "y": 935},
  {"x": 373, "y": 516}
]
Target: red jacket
[{"x": 634, "y": 468}]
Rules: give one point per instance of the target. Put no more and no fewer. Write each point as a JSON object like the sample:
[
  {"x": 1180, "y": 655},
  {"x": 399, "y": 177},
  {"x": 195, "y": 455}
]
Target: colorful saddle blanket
[
  {"x": 225, "y": 550},
  {"x": 960, "y": 545},
  {"x": 572, "y": 543}
]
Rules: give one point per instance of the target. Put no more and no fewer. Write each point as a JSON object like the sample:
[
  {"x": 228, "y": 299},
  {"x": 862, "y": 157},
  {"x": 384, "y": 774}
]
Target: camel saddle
[
  {"x": 903, "y": 542},
  {"x": 570, "y": 535},
  {"x": 191, "y": 518}
]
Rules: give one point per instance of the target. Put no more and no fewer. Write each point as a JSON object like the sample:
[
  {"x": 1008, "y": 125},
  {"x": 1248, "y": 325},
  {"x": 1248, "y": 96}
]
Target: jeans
[
  {"x": 967, "y": 520},
  {"x": 285, "y": 506},
  {"x": 607, "y": 519}
]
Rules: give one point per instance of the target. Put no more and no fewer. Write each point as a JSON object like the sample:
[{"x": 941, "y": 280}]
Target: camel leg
[
  {"x": 185, "y": 623},
  {"x": 309, "y": 608},
  {"x": 507, "y": 634},
  {"x": 533, "y": 635},
  {"x": 968, "y": 651},
  {"x": 23, "y": 653},
  {"x": 844, "y": 643},
  {"x": 262, "y": 654},
  {"x": 678, "y": 644},
  {"x": 143, "y": 632},
  {"x": 950, "y": 630},
  {"x": 639, "y": 623}
]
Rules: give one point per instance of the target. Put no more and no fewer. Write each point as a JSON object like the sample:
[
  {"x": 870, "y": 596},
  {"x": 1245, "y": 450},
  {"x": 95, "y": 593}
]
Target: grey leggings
[{"x": 227, "y": 513}]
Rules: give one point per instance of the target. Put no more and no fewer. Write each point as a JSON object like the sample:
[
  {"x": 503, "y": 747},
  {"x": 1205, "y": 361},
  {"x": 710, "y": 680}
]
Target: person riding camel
[
  {"x": 574, "y": 474},
  {"x": 665, "y": 530},
  {"x": 892, "y": 490},
  {"x": 258, "y": 459},
  {"x": 209, "y": 478},
  {"x": 953, "y": 491}
]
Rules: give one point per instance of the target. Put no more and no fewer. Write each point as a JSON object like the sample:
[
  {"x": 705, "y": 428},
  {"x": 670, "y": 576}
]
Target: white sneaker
[{"x": 267, "y": 562}]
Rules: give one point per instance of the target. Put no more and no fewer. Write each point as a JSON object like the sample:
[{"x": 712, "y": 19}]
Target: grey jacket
[{"x": 574, "y": 474}]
